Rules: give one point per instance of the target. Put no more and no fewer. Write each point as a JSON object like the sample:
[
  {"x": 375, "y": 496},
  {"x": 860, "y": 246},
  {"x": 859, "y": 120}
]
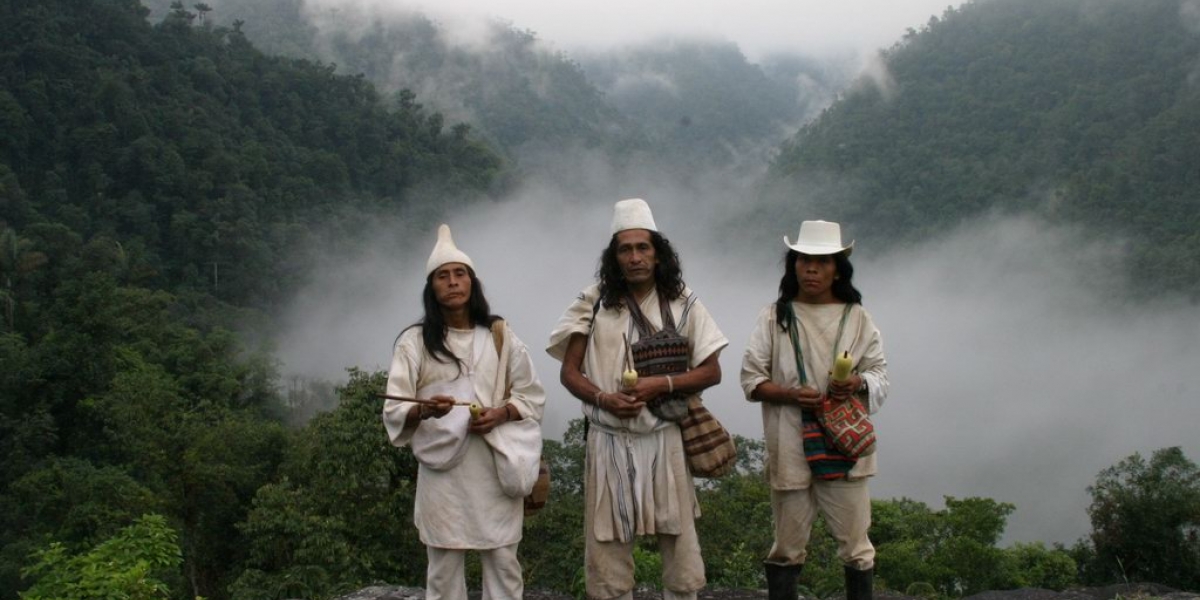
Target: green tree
[
  {"x": 1019, "y": 107},
  {"x": 551, "y": 549},
  {"x": 340, "y": 514},
  {"x": 1146, "y": 520},
  {"x": 735, "y": 528},
  {"x": 18, "y": 258},
  {"x": 69, "y": 500},
  {"x": 952, "y": 550},
  {"x": 131, "y": 565},
  {"x": 202, "y": 454},
  {"x": 1041, "y": 567}
]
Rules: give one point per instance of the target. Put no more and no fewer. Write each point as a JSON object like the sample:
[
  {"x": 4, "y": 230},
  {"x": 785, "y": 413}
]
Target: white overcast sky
[{"x": 758, "y": 26}]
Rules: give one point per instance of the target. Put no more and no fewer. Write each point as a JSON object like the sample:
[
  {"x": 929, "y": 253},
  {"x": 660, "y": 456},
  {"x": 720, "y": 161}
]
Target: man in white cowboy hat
[
  {"x": 636, "y": 478},
  {"x": 786, "y": 368},
  {"x": 474, "y": 471}
]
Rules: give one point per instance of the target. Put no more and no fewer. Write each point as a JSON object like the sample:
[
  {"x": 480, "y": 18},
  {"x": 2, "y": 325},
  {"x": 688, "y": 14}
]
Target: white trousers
[
  {"x": 609, "y": 566},
  {"x": 445, "y": 579},
  {"x": 846, "y": 506},
  {"x": 678, "y": 553}
]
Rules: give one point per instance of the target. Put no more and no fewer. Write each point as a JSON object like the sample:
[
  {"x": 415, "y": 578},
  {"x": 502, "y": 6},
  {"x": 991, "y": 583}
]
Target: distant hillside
[
  {"x": 1086, "y": 111},
  {"x": 160, "y": 187},
  {"x": 512, "y": 89},
  {"x": 205, "y": 163},
  {"x": 691, "y": 105},
  {"x": 706, "y": 103}
]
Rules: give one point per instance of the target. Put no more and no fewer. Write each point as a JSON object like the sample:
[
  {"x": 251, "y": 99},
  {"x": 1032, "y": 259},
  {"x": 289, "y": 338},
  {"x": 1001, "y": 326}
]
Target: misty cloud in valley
[
  {"x": 1018, "y": 372},
  {"x": 1020, "y": 366}
]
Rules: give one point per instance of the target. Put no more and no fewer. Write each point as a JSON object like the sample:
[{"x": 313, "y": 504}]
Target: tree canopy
[
  {"x": 162, "y": 187},
  {"x": 1083, "y": 111}
]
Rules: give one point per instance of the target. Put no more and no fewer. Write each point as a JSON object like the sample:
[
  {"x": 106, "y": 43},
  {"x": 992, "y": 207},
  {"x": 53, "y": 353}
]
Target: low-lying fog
[{"x": 1018, "y": 371}]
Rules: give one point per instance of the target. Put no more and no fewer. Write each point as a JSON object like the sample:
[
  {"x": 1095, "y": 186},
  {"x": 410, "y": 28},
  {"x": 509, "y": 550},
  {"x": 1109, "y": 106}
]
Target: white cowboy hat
[
  {"x": 633, "y": 213},
  {"x": 817, "y": 238},
  {"x": 444, "y": 251}
]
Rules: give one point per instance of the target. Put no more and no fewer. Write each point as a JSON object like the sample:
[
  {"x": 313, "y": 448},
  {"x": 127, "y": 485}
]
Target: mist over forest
[
  {"x": 215, "y": 220},
  {"x": 976, "y": 302}
]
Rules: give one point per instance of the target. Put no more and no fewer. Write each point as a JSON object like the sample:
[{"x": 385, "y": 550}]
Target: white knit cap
[
  {"x": 632, "y": 214},
  {"x": 819, "y": 238},
  {"x": 446, "y": 252}
]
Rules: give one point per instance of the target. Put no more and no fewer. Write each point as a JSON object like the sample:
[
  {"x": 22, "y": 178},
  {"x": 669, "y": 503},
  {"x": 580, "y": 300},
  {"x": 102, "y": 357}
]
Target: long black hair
[
  {"x": 433, "y": 324},
  {"x": 668, "y": 273},
  {"x": 789, "y": 285}
]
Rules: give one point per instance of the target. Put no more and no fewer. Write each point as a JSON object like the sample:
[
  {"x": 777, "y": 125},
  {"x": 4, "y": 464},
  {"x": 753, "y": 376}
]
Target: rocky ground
[{"x": 1134, "y": 591}]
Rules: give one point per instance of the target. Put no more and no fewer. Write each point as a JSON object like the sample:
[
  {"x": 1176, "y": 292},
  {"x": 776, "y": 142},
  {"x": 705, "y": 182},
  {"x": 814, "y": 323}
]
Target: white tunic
[
  {"x": 769, "y": 357},
  {"x": 636, "y": 488},
  {"x": 464, "y": 507}
]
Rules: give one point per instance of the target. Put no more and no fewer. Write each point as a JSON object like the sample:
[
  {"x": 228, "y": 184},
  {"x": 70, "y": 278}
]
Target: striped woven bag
[{"x": 710, "y": 449}]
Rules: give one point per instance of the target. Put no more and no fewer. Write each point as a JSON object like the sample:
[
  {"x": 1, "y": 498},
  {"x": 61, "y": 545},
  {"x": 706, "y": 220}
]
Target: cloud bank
[{"x": 1018, "y": 372}]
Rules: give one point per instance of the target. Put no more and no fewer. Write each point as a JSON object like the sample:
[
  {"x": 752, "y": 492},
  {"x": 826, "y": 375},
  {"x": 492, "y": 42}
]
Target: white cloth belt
[{"x": 640, "y": 488}]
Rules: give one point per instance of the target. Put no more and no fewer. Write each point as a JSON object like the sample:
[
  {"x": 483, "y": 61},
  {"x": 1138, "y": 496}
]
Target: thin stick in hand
[{"x": 419, "y": 400}]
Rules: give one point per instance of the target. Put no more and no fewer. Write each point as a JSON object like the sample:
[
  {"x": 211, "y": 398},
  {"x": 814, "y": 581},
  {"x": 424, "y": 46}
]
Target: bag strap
[
  {"x": 794, "y": 333},
  {"x": 591, "y": 328},
  {"x": 498, "y": 340},
  {"x": 639, "y": 319}
]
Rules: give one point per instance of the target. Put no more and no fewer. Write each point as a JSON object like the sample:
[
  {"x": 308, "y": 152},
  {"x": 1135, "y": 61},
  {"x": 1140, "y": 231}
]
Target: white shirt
[
  {"x": 464, "y": 507},
  {"x": 769, "y": 357},
  {"x": 636, "y": 486}
]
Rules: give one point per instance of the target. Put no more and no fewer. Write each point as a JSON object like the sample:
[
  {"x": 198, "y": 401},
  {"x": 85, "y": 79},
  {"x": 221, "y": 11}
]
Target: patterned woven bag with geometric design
[
  {"x": 847, "y": 423},
  {"x": 662, "y": 352},
  {"x": 848, "y": 426}
]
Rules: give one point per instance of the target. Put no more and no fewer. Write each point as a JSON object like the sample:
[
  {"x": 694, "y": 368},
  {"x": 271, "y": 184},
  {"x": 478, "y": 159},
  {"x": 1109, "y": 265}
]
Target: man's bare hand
[
  {"x": 488, "y": 420},
  {"x": 808, "y": 397},
  {"x": 621, "y": 404},
  {"x": 443, "y": 407}
]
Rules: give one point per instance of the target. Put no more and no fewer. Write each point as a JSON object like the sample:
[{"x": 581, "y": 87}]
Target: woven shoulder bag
[{"x": 662, "y": 352}]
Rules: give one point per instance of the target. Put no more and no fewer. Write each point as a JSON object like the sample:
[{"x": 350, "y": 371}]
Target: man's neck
[
  {"x": 642, "y": 290},
  {"x": 458, "y": 319}
]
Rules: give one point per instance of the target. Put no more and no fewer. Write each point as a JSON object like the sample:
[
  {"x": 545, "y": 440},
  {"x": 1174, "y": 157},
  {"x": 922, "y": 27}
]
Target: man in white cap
[
  {"x": 636, "y": 477},
  {"x": 786, "y": 368},
  {"x": 474, "y": 470}
]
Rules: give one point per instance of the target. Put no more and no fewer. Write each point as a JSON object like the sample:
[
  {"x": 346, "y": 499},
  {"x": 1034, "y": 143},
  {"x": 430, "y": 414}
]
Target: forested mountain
[
  {"x": 192, "y": 149},
  {"x": 1086, "y": 111},
  {"x": 516, "y": 92},
  {"x": 159, "y": 187},
  {"x": 692, "y": 104},
  {"x": 164, "y": 184},
  {"x": 706, "y": 104}
]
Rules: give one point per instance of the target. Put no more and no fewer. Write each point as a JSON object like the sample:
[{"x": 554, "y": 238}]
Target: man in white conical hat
[
  {"x": 474, "y": 470},
  {"x": 636, "y": 476}
]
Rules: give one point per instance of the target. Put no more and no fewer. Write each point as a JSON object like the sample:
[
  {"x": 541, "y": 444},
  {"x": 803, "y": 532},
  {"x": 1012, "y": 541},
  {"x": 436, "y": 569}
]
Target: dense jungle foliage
[
  {"x": 163, "y": 183},
  {"x": 516, "y": 93},
  {"x": 691, "y": 105},
  {"x": 1085, "y": 111},
  {"x": 160, "y": 186}
]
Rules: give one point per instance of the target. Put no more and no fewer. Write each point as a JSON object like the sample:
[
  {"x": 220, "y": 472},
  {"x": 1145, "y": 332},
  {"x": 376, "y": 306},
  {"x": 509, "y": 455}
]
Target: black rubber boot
[
  {"x": 859, "y": 584},
  {"x": 781, "y": 581}
]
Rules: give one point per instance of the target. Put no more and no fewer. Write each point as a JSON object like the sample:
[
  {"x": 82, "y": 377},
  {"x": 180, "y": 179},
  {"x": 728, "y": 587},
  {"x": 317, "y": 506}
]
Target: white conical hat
[
  {"x": 444, "y": 251},
  {"x": 633, "y": 213},
  {"x": 817, "y": 238}
]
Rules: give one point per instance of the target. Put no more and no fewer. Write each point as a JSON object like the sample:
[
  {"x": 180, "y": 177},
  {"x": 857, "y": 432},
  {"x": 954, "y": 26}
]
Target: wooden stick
[
  {"x": 628, "y": 352},
  {"x": 419, "y": 400}
]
